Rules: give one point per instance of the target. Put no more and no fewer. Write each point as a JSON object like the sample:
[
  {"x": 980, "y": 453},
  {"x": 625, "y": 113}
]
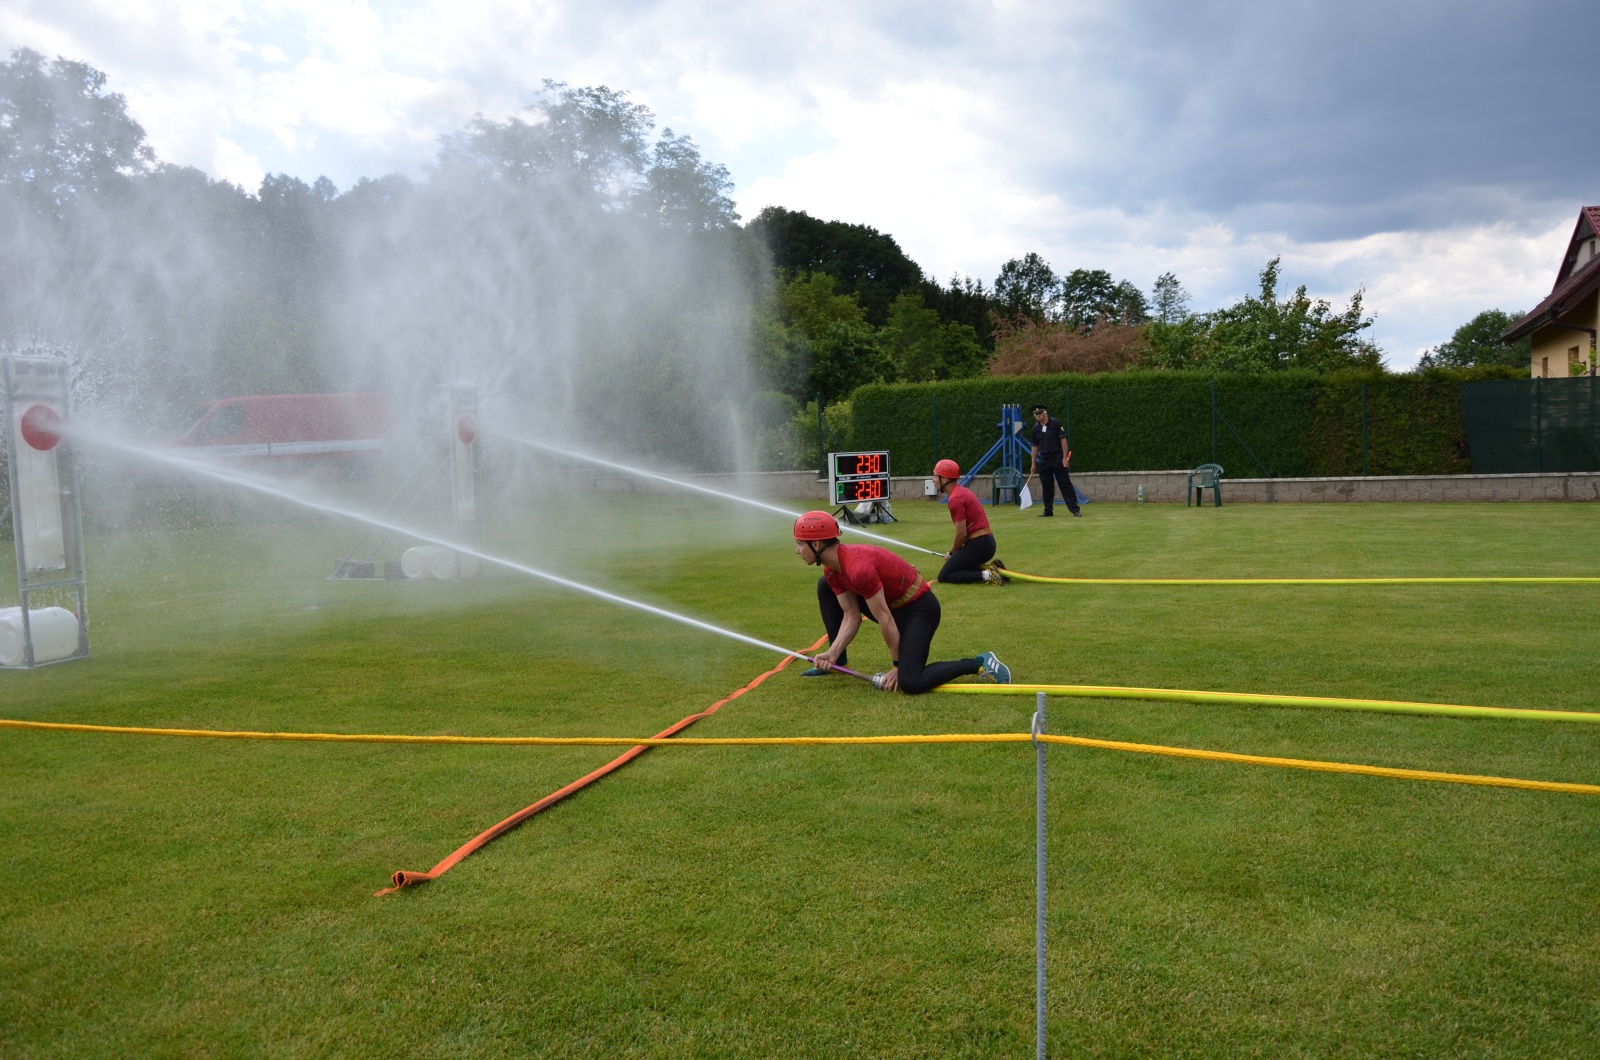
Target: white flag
[{"x": 1025, "y": 497}]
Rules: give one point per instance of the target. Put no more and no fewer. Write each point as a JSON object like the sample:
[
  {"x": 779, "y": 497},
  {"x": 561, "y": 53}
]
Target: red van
[{"x": 342, "y": 432}]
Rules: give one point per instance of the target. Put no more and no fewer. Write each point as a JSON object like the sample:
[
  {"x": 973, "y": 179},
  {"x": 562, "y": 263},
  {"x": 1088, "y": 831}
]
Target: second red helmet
[{"x": 947, "y": 469}]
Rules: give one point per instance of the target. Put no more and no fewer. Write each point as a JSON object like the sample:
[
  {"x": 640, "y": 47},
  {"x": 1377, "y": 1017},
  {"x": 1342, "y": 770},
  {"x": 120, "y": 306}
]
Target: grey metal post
[
  {"x": 934, "y": 398},
  {"x": 1363, "y": 428},
  {"x": 1039, "y": 877},
  {"x": 1538, "y": 425},
  {"x": 1213, "y": 421},
  {"x": 822, "y": 449}
]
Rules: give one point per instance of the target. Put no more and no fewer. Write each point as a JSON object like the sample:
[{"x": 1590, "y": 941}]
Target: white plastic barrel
[
  {"x": 415, "y": 562},
  {"x": 442, "y": 564},
  {"x": 55, "y": 634}
]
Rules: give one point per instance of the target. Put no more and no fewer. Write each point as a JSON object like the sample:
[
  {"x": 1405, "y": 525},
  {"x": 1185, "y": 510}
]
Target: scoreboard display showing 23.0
[{"x": 854, "y": 477}]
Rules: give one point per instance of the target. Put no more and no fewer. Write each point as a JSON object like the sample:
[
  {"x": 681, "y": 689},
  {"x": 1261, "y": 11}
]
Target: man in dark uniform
[{"x": 1050, "y": 453}]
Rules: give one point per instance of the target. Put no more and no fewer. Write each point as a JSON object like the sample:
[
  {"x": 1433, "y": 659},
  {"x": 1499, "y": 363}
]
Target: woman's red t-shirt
[
  {"x": 865, "y": 569},
  {"x": 963, "y": 505}
]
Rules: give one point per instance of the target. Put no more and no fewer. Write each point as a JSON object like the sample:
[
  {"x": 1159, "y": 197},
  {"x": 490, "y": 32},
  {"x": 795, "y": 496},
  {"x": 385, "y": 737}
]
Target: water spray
[
  {"x": 232, "y": 478},
  {"x": 641, "y": 473}
]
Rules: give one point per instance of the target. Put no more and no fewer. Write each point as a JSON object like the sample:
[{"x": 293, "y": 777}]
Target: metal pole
[
  {"x": 1039, "y": 879},
  {"x": 934, "y": 398},
  {"x": 75, "y": 517},
  {"x": 1538, "y": 426},
  {"x": 822, "y": 454},
  {"x": 19, "y": 545},
  {"x": 1213, "y": 421},
  {"x": 1363, "y": 428}
]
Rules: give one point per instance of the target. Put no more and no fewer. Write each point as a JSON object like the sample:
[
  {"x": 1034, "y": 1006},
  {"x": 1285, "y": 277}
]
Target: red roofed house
[{"x": 1564, "y": 325}]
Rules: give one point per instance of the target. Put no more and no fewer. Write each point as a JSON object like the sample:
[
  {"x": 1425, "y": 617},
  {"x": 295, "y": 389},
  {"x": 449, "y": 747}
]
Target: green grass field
[{"x": 166, "y": 897}]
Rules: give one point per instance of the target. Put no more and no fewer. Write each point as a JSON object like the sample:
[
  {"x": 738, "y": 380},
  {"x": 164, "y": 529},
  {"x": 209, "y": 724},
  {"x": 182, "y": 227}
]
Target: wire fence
[
  {"x": 1538, "y": 425},
  {"x": 1411, "y": 425},
  {"x": 1268, "y": 433}
]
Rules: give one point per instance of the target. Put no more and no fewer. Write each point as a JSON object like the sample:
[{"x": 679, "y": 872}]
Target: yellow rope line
[
  {"x": 832, "y": 741},
  {"x": 1303, "y": 581},
  {"x": 1183, "y": 695}
]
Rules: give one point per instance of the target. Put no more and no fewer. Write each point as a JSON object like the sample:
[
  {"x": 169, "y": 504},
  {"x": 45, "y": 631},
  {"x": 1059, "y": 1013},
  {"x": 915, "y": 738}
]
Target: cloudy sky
[{"x": 1432, "y": 153}]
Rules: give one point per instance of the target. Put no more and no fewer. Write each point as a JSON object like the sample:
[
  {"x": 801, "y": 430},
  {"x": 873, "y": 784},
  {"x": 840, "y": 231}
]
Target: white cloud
[
  {"x": 1140, "y": 137},
  {"x": 235, "y": 165}
]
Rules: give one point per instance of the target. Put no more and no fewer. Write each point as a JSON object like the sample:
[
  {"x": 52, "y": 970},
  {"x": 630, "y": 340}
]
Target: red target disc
[
  {"x": 41, "y": 428},
  {"x": 467, "y": 429}
]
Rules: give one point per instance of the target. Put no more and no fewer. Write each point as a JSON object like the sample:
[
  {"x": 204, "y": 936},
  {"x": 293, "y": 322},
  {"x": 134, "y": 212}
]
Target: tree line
[
  {"x": 548, "y": 256},
  {"x": 544, "y": 257}
]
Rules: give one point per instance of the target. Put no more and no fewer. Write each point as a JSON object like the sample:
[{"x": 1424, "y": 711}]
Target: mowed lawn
[{"x": 170, "y": 897}]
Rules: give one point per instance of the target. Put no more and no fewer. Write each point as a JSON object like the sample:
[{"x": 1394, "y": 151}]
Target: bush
[
  {"x": 793, "y": 445},
  {"x": 1023, "y": 346},
  {"x": 1282, "y": 424}
]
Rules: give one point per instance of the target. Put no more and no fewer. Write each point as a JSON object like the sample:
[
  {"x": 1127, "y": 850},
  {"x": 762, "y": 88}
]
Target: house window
[
  {"x": 1544, "y": 367},
  {"x": 1572, "y": 361}
]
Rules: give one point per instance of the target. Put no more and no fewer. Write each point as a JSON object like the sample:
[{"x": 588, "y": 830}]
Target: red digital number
[
  {"x": 869, "y": 490},
  {"x": 870, "y": 464}
]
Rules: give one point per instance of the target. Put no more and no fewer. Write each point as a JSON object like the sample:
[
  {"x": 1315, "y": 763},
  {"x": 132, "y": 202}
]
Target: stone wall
[{"x": 1167, "y": 487}]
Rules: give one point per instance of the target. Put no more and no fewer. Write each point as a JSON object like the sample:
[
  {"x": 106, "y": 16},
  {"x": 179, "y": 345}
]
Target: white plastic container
[
  {"x": 442, "y": 564},
  {"x": 55, "y": 634},
  {"x": 416, "y": 563}
]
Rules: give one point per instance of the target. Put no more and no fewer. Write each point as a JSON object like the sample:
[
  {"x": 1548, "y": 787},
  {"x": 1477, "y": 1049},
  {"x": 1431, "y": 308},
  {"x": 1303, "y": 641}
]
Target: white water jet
[
  {"x": 171, "y": 459},
  {"x": 641, "y": 473}
]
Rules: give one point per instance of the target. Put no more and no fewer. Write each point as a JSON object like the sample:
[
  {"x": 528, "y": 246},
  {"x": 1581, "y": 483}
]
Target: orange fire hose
[{"x": 405, "y": 878}]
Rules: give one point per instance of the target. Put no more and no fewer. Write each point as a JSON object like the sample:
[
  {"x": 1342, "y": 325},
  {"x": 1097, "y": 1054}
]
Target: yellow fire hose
[
  {"x": 1181, "y": 695},
  {"x": 832, "y": 741},
  {"x": 1300, "y": 581}
]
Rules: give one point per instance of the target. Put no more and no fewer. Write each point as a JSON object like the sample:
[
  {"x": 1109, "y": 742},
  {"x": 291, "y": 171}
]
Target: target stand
[
  {"x": 46, "y": 518},
  {"x": 466, "y": 493},
  {"x": 459, "y": 460}
]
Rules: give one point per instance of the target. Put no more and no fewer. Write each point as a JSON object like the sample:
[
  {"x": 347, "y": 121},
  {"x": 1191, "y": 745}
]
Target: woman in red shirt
[
  {"x": 969, "y": 557},
  {"x": 865, "y": 579}
]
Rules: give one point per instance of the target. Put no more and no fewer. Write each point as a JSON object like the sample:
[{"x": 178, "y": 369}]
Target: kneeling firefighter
[
  {"x": 971, "y": 556},
  {"x": 864, "y": 579}
]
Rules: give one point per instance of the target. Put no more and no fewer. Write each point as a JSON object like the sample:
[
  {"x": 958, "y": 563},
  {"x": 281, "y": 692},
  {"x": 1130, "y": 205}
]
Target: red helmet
[
  {"x": 816, "y": 526},
  {"x": 947, "y": 469}
]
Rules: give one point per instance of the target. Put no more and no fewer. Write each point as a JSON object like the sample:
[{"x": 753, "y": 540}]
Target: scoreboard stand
[{"x": 856, "y": 479}]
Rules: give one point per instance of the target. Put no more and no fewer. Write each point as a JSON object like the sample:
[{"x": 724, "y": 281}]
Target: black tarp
[{"x": 1522, "y": 425}]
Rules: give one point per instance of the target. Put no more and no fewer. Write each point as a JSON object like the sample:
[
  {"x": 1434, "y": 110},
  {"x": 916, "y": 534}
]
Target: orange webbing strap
[{"x": 403, "y": 878}]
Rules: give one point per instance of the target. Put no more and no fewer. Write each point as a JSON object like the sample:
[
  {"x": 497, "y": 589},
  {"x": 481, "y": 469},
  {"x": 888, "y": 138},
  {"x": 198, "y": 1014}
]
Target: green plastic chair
[
  {"x": 1206, "y": 476},
  {"x": 1006, "y": 478}
]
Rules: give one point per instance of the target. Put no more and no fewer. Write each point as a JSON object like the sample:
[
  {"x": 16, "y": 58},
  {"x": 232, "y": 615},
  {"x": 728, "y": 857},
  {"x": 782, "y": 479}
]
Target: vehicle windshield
[{"x": 216, "y": 422}]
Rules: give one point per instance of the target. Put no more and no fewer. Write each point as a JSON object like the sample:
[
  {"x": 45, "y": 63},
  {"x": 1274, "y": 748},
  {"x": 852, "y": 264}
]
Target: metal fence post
[
  {"x": 1538, "y": 426},
  {"x": 1363, "y": 429},
  {"x": 1213, "y": 421},
  {"x": 1039, "y": 878},
  {"x": 822, "y": 453},
  {"x": 934, "y": 398}
]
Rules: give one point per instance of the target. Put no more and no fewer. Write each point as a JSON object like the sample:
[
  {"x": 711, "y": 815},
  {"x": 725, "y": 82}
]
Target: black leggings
[
  {"x": 917, "y": 622},
  {"x": 964, "y": 563}
]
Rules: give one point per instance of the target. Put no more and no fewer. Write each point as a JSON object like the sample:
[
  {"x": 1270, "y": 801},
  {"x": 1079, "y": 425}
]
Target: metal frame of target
[
  {"x": 46, "y": 510},
  {"x": 466, "y": 489}
]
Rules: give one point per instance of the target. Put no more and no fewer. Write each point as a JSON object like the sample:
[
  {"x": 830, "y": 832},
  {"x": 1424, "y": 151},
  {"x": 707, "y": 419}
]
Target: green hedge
[{"x": 1283, "y": 425}]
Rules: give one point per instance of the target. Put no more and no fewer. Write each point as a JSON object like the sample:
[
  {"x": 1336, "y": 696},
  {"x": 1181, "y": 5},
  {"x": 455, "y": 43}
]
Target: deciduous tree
[
  {"x": 863, "y": 261},
  {"x": 61, "y": 133},
  {"x": 1028, "y": 286},
  {"x": 1477, "y": 342}
]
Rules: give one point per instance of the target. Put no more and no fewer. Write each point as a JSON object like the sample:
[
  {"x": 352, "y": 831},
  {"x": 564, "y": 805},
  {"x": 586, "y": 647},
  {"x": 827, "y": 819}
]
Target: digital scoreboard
[{"x": 855, "y": 477}]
